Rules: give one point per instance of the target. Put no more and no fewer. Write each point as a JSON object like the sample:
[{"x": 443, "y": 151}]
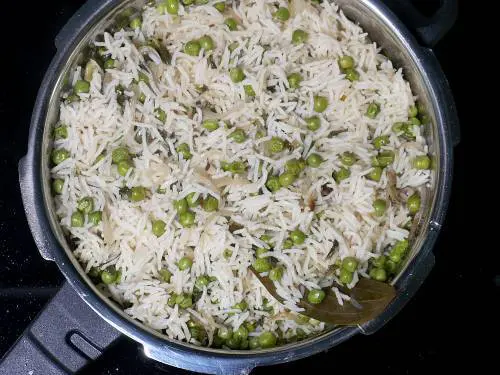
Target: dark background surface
[{"x": 447, "y": 325}]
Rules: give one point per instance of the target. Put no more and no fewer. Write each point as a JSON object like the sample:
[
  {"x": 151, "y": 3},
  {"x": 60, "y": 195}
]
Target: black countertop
[{"x": 433, "y": 331}]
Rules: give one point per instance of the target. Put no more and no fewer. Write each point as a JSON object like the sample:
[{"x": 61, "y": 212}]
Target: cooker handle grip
[
  {"x": 430, "y": 30},
  {"x": 65, "y": 336}
]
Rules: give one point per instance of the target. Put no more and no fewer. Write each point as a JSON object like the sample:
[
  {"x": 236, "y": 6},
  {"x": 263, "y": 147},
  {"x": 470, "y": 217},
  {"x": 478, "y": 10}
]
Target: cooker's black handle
[
  {"x": 62, "y": 339},
  {"x": 429, "y": 29}
]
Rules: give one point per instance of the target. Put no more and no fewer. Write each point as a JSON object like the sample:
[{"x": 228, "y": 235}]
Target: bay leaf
[{"x": 369, "y": 298}]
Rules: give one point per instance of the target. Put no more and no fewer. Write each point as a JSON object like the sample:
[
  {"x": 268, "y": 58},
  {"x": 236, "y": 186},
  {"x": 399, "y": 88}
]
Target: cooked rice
[{"x": 97, "y": 124}]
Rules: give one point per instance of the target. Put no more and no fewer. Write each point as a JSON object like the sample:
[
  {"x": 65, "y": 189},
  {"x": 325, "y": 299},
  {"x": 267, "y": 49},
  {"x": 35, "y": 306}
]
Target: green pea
[
  {"x": 267, "y": 239},
  {"x": 249, "y": 91},
  {"x": 249, "y": 326},
  {"x": 295, "y": 166},
  {"x": 276, "y": 273},
  {"x": 238, "y": 135},
  {"x": 315, "y": 296},
  {"x": 375, "y": 174},
  {"x": 320, "y": 103},
  {"x": 287, "y": 244},
  {"x": 202, "y": 281},
  {"x": 236, "y": 167},
  {"x": 379, "y": 206},
  {"x": 72, "y": 98},
  {"x": 401, "y": 247},
  {"x": 184, "y": 150},
  {"x": 142, "y": 97},
  {"x": 233, "y": 343},
  {"x": 171, "y": 300},
  {"x": 422, "y": 162},
  {"x": 380, "y": 261},
  {"x": 413, "y": 111},
  {"x": 242, "y": 306},
  {"x": 348, "y": 158},
  {"x": 341, "y": 174},
  {"x": 415, "y": 121},
  {"x": 241, "y": 333},
  {"x": 282, "y": 14},
  {"x": 108, "y": 277},
  {"x": 123, "y": 167},
  {"x": 220, "y": 6},
  {"x": 236, "y": 74},
  {"x": 413, "y": 203},
  {"x": 224, "y": 333},
  {"x": 373, "y": 110},
  {"x": 345, "y": 276},
  {"x": 95, "y": 217},
  {"x": 351, "y": 74},
  {"x": 187, "y": 219},
  {"x": 186, "y": 302},
  {"x": 276, "y": 145},
  {"x": 109, "y": 64},
  {"x": 57, "y": 185},
  {"x": 381, "y": 141},
  {"x": 206, "y": 42},
  {"x": 314, "y": 160},
  {"x": 260, "y": 251},
  {"x": 211, "y": 125},
  {"x": 398, "y": 127},
  {"x": 171, "y": 6},
  {"x": 158, "y": 228},
  {"x": 385, "y": 158},
  {"x": 346, "y": 62},
  {"x": 180, "y": 206},
  {"x": 390, "y": 266},
  {"x": 378, "y": 274},
  {"x": 297, "y": 236},
  {"x": 286, "y": 179},
  {"x": 165, "y": 275},
  {"x": 160, "y": 114},
  {"x": 59, "y": 155},
  {"x": 184, "y": 263},
  {"x": 350, "y": 264},
  {"x": 299, "y": 36},
  {"x": 61, "y": 132},
  {"x": 302, "y": 319},
  {"x": 244, "y": 344},
  {"x": 85, "y": 205},
  {"x": 273, "y": 183},
  {"x": 119, "y": 154},
  {"x": 267, "y": 340},
  {"x": 260, "y": 134},
  {"x": 253, "y": 342},
  {"x": 231, "y": 24},
  {"x": 137, "y": 193},
  {"x": 313, "y": 123},
  {"x": 77, "y": 219},
  {"x": 294, "y": 80},
  {"x": 227, "y": 253},
  {"x": 262, "y": 265},
  {"x": 136, "y": 23},
  {"x": 210, "y": 204},
  {"x": 192, "y": 48},
  {"x": 395, "y": 257},
  {"x": 81, "y": 87}
]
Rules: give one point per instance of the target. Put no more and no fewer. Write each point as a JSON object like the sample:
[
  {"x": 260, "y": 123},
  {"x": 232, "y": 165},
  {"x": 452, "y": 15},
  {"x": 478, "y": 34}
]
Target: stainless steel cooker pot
[{"x": 79, "y": 322}]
